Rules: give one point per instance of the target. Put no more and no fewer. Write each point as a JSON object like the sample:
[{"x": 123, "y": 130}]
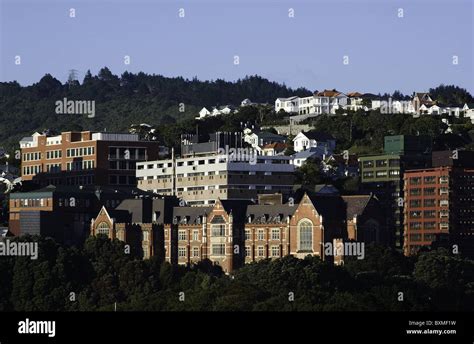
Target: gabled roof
[
  {"x": 356, "y": 205},
  {"x": 339, "y": 158}
]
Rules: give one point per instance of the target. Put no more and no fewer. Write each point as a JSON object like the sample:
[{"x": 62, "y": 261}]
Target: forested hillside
[
  {"x": 122, "y": 100},
  {"x": 99, "y": 274}
]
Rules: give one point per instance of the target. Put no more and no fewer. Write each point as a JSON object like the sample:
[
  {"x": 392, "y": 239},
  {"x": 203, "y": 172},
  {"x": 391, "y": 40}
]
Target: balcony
[{"x": 444, "y": 203}]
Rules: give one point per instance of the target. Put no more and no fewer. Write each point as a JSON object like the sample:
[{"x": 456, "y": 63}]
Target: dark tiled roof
[
  {"x": 269, "y": 213},
  {"x": 356, "y": 205},
  {"x": 141, "y": 210},
  {"x": 267, "y": 135},
  {"x": 190, "y": 215}
]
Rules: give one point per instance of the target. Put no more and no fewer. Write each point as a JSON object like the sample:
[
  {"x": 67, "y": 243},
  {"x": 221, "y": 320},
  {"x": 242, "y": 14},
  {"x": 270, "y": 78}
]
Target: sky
[{"x": 350, "y": 45}]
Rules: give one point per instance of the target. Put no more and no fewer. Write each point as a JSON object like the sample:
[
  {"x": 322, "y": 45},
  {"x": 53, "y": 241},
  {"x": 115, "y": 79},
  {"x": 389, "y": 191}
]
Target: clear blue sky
[{"x": 385, "y": 52}]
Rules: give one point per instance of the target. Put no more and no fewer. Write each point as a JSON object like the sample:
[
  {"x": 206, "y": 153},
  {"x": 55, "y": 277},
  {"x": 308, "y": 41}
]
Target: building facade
[
  {"x": 84, "y": 158},
  {"x": 233, "y": 233},
  {"x": 202, "y": 180},
  {"x": 62, "y": 212},
  {"x": 440, "y": 203}
]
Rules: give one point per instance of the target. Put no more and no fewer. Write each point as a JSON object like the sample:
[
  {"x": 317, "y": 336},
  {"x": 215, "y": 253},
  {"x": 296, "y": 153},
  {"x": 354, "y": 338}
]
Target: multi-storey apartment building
[
  {"x": 382, "y": 175},
  {"x": 216, "y": 166},
  {"x": 84, "y": 158},
  {"x": 439, "y": 202},
  {"x": 202, "y": 180},
  {"x": 232, "y": 233}
]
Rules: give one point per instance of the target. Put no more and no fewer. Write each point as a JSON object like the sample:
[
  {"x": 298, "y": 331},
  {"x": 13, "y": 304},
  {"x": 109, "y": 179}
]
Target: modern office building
[
  {"x": 382, "y": 175},
  {"x": 84, "y": 158},
  {"x": 440, "y": 203}
]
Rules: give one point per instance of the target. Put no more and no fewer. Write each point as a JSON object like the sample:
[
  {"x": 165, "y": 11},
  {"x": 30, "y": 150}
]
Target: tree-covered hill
[
  {"x": 122, "y": 100},
  {"x": 99, "y": 274}
]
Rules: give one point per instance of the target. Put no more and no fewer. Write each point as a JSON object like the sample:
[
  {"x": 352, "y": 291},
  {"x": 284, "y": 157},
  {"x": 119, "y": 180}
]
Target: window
[
  {"x": 368, "y": 163},
  {"x": 181, "y": 235},
  {"x": 381, "y": 163},
  {"x": 218, "y": 249},
  {"x": 195, "y": 251},
  {"x": 275, "y": 251},
  {"x": 247, "y": 234},
  {"x": 394, "y": 163},
  {"x": 218, "y": 230},
  {"x": 275, "y": 234},
  {"x": 247, "y": 251},
  {"x": 429, "y": 180},
  {"x": 195, "y": 235},
  {"x": 429, "y": 202},
  {"x": 103, "y": 228},
  {"x": 181, "y": 252},
  {"x": 260, "y": 234},
  {"x": 429, "y": 191},
  {"x": 430, "y": 213},
  {"x": 305, "y": 231},
  {"x": 260, "y": 251}
]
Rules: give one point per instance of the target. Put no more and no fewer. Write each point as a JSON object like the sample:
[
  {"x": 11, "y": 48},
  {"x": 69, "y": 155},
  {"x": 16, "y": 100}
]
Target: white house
[
  {"x": 306, "y": 140},
  {"x": 325, "y": 102},
  {"x": 260, "y": 139},
  {"x": 203, "y": 113},
  {"x": 328, "y": 101},
  {"x": 355, "y": 102},
  {"x": 290, "y": 105}
]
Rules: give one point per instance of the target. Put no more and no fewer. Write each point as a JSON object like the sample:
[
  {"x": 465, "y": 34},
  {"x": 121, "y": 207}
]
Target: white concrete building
[
  {"x": 325, "y": 102},
  {"x": 204, "y": 179},
  {"x": 290, "y": 105}
]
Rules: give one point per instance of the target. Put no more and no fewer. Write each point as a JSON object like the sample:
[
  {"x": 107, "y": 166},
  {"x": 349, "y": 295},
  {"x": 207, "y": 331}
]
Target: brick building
[
  {"x": 63, "y": 212},
  {"x": 439, "y": 203},
  {"x": 234, "y": 232},
  {"x": 84, "y": 158},
  {"x": 382, "y": 175}
]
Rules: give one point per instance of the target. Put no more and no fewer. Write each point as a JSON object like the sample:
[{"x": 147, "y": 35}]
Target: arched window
[
  {"x": 305, "y": 230},
  {"x": 103, "y": 228}
]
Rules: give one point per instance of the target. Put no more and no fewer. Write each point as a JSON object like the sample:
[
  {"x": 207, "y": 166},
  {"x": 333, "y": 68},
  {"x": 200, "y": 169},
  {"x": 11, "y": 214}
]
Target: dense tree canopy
[
  {"x": 122, "y": 101},
  {"x": 101, "y": 273}
]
